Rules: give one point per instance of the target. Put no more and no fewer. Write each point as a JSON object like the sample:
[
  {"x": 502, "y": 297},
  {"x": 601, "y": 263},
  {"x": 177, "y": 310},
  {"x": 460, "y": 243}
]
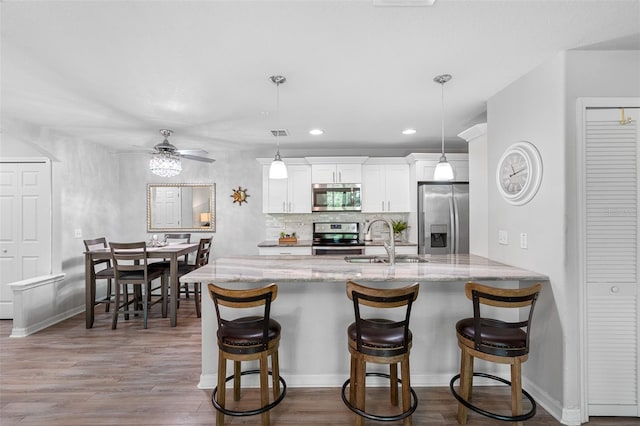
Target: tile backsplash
[{"x": 302, "y": 224}]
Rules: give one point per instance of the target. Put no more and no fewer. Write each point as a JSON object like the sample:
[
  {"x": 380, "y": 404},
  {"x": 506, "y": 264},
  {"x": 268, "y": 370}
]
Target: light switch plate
[
  {"x": 77, "y": 233},
  {"x": 524, "y": 240},
  {"x": 503, "y": 237}
]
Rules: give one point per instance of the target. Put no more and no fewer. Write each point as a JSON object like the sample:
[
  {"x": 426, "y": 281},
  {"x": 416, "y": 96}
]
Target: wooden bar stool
[
  {"x": 497, "y": 341},
  {"x": 245, "y": 339},
  {"x": 380, "y": 341}
]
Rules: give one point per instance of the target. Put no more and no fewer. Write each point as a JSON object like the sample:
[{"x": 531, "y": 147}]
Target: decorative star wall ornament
[{"x": 240, "y": 195}]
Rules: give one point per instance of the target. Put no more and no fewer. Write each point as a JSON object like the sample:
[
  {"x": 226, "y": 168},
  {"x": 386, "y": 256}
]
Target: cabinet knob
[
  {"x": 615, "y": 289},
  {"x": 4, "y": 250}
]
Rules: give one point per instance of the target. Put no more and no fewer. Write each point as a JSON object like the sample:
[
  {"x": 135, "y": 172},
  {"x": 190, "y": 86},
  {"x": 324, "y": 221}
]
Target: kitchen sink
[{"x": 400, "y": 258}]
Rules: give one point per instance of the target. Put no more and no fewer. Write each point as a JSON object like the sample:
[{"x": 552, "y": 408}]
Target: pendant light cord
[
  {"x": 278, "y": 118},
  {"x": 442, "y": 118}
]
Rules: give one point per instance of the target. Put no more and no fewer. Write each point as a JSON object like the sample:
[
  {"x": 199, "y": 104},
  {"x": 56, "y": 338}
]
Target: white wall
[
  {"x": 541, "y": 108},
  {"x": 532, "y": 109},
  {"x": 476, "y": 136}
]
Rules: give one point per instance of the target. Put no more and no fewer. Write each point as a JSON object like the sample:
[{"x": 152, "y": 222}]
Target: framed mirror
[{"x": 181, "y": 207}]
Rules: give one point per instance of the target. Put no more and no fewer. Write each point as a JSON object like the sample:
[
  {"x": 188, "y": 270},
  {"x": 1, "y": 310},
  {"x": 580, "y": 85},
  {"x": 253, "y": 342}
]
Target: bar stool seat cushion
[
  {"x": 247, "y": 331},
  {"x": 378, "y": 337},
  {"x": 493, "y": 335}
]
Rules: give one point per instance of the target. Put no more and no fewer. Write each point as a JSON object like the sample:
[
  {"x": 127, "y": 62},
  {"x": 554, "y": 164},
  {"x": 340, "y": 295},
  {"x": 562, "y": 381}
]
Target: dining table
[{"x": 171, "y": 251}]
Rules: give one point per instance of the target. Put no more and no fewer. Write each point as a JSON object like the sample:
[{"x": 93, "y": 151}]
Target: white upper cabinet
[
  {"x": 336, "y": 173},
  {"x": 385, "y": 188},
  {"x": 291, "y": 195},
  {"x": 336, "y": 169}
]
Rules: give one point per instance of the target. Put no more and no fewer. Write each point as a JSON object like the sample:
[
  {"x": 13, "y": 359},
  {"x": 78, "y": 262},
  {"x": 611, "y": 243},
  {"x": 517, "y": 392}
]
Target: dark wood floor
[{"x": 67, "y": 375}]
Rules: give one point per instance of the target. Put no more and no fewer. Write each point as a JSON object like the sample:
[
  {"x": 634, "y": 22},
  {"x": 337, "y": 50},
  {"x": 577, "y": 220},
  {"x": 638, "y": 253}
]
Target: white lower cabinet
[
  {"x": 278, "y": 250},
  {"x": 379, "y": 250},
  {"x": 291, "y": 195},
  {"x": 385, "y": 188}
]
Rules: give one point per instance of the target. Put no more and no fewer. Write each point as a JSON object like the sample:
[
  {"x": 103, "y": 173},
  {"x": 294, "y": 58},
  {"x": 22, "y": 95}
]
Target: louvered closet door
[{"x": 611, "y": 269}]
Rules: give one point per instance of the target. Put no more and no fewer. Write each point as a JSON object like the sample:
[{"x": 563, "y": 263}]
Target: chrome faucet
[{"x": 389, "y": 246}]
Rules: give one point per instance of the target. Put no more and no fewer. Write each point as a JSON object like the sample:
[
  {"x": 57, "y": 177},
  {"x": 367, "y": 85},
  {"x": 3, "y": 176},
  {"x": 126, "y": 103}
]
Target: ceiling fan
[{"x": 166, "y": 148}]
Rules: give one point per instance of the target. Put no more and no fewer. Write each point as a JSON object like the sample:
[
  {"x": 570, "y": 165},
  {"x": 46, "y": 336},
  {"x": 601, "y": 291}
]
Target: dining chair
[
  {"x": 177, "y": 238},
  {"x": 101, "y": 269},
  {"x": 131, "y": 267},
  {"x": 202, "y": 258}
]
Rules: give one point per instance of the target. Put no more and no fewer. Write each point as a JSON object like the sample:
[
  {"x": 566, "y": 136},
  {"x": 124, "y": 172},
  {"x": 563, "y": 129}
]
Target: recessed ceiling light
[
  {"x": 409, "y": 132},
  {"x": 316, "y": 132}
]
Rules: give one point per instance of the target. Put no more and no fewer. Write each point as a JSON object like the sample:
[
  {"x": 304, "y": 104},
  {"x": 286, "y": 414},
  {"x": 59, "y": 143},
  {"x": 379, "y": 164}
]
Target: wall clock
[{"x": 519, "y": 173}]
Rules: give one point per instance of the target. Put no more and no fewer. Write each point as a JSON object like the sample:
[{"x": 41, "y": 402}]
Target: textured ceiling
[{"x": 115, "y": 72}]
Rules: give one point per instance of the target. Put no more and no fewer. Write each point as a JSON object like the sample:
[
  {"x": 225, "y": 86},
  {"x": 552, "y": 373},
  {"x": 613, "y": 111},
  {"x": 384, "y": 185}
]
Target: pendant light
[
  {"x": 443, "y": 171},
  {"x": 278, "y": 169}
]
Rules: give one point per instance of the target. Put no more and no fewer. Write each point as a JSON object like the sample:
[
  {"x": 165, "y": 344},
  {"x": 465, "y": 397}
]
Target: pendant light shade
[
  {"x": 443, "y": 171},
  {"x": 278, "y": 169}
]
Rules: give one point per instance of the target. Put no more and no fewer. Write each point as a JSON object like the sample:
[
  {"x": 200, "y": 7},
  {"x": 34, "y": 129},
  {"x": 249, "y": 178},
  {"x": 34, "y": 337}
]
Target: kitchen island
[{"x": 314, "y": 311}]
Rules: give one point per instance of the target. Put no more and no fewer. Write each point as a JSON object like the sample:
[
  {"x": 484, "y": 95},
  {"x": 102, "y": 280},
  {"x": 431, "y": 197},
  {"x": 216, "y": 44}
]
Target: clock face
[
  {"x": 514, "y": 173},
  {"x": 519, "y": 173}
]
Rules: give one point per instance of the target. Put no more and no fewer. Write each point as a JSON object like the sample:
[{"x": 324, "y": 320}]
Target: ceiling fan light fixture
[
  {"x": 443, "y": 170},
  {"x": 278, "y": 169},
  {"x": 165, "y": 164}
]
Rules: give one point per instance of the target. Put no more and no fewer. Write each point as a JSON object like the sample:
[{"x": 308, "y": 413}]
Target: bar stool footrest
[
  {"x": 260, "y": 410},
  {"x": 519, "y": 418},
  {"x": 376, "y": 417}
]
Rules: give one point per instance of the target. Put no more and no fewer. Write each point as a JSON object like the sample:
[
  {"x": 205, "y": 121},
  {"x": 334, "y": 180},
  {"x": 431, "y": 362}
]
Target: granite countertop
[
  {"x": 439, "y": 268},
  {"x": 308, "y": 243}
]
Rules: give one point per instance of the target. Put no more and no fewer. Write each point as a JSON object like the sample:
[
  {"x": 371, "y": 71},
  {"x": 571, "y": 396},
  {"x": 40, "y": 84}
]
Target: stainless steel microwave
[{"x": 336, "y": 197}]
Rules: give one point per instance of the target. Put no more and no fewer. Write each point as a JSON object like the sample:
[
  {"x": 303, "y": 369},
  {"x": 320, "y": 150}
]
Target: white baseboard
[
  {"x": 552, "y": 406},
  {"x": 34, "y": 328}
]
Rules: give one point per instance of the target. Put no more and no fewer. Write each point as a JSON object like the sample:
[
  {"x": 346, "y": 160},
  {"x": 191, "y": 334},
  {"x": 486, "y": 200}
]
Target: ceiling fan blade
[
  {"x": 191, "y": 152},
  {"x": 197, "y": 158}
]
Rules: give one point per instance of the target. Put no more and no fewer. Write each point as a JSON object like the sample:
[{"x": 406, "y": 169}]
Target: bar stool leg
[
  {"x": 354, "y": 380},
  {"x": 264, "y": 386},
  {"x": 236, "y": 380},
  {"x": 393, "y": 374},
  {"x": 220, "y": 398},
  {"x": 516, "y": 390},
  {"x": 406, "y": 388},
  {"x": 275, "y": 377},
  {"x": 361, "y": 377},
  {"x": 466, "y": 377}
]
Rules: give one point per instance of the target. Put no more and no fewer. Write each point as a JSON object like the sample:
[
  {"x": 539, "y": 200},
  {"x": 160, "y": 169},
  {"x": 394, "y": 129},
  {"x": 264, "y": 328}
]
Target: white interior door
[
  {"x": 166, "y": 207},
  {"x": 25, "y": 228},
  {"x": 610, "y": 261}
]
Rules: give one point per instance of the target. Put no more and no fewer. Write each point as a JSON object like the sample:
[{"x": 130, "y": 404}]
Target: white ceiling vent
[
  {"x": 402, "y": 3},
  {"x": 279, "y": 132}
]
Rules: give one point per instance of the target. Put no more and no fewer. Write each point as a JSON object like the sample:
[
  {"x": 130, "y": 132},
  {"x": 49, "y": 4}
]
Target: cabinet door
[
  {"x": 274, "y": 193},
  {"x": 349, "y": 173},
  {"x": 323, "y": 173},
  {"x": 299, "y": 189},
  {"x": 397, "y": 187},
  {"x": 373, "y": 189}
]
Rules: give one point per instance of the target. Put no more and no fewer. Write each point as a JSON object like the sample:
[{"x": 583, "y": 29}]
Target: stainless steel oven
[{"x": 336, "y": 238}]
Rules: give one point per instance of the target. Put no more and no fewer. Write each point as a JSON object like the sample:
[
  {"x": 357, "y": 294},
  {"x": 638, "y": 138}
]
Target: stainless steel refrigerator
[{"x": 443, "y": 218}]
